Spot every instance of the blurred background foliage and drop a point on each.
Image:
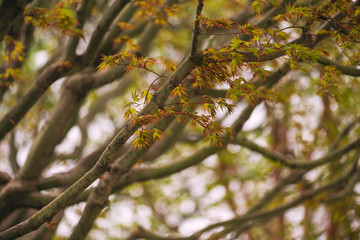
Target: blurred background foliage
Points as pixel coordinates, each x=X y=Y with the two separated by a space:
x=300 y=118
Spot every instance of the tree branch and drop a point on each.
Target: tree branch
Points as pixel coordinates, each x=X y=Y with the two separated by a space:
x=351 y=71
x=81 y=16
x=99 y=196
x=197 y=30
x=99 y=33
x=267 y=214
x=13 y=153
x=106 y=158
x=277 y=158
x=9 y=11
x=125 y=16
x=81 y=83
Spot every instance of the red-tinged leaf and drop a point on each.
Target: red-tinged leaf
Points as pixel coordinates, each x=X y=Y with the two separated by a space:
x=140 y=143
x=130 y=113
x=135 y=97
x=51 y=225
x=179 y=91
x=158 y=135
x=61 y=17
x=257 y=6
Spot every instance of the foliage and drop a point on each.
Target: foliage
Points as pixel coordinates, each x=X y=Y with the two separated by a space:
x=61 y=16
x=199 y=119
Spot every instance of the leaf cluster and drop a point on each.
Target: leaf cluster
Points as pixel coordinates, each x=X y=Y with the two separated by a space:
x=145 y=137
x=11 y=50
x=215 y=24
x=157 y=10
x=127 y=59
x=61 y=17
x=329 y=82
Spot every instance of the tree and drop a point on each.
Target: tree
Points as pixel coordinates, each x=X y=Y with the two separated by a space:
x=179 y=119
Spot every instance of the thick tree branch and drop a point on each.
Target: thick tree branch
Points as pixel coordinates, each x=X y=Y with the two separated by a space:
x=197 y=30
x=13 y=153
x=4 y=178
x=9 y=11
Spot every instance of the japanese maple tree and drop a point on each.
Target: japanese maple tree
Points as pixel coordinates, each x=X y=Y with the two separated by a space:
x=179 y=119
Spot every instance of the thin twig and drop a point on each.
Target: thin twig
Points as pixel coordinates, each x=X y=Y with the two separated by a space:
x=152 y=83
x=280 y=30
